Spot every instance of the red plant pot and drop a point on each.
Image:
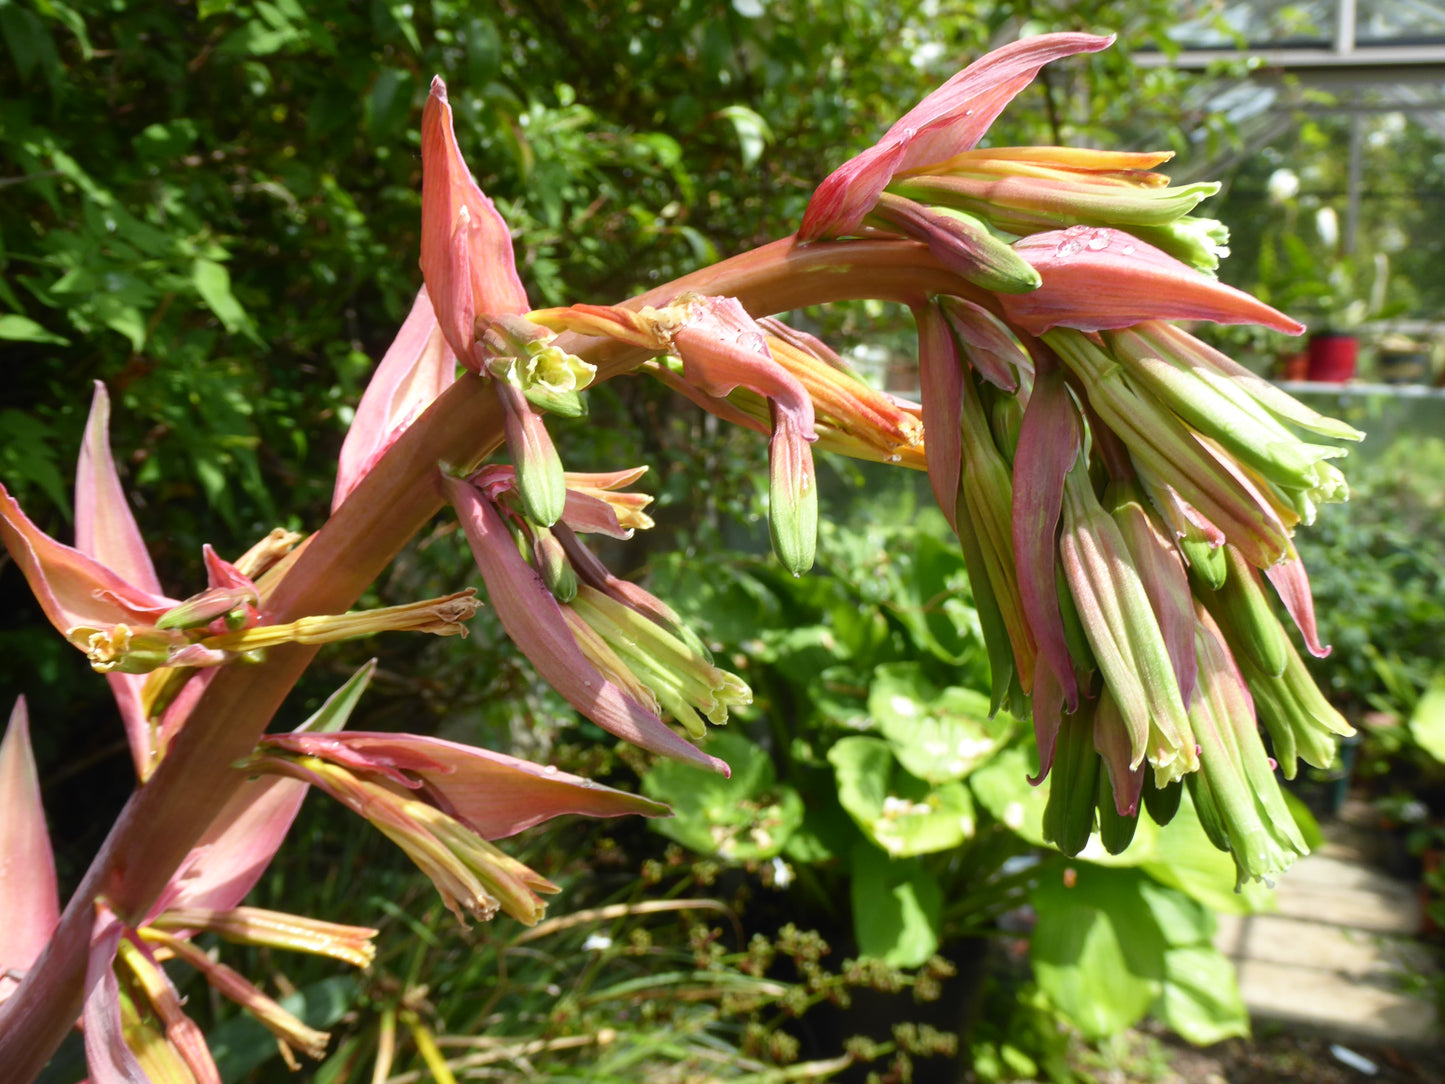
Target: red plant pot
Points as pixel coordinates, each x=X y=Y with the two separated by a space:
x=1333 y=357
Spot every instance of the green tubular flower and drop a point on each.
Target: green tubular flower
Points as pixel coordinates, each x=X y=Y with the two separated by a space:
x=1161 y=571
x=1218 y=407
x=1236 y=779
x=987 y=494
x=1301 y=722
x=1119 y=622
x=686 y=684
x=1243 y=612
x=1199 y=242
x=1022 y=197
x=1165 y=452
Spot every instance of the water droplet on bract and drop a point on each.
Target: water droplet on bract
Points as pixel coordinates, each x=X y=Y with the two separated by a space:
x=550 y=769
x=1128 y=250
x=1071 y=247
x=895 y=458
x=1098 y=241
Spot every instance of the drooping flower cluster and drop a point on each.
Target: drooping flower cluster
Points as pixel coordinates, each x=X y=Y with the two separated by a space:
x=1121 y=490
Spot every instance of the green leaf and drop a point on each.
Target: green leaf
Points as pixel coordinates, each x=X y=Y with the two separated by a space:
x=29 y=42
x=1002 y=787
x=744 y=818
x=1097 y=950
x=23 y=329
x=400 y=11
x=1427 y=722
x=898 y=811
x=897 y=906
x=333 y=714
x=1201 y=999
x=752 y=131
x=939 y=737
x=213 y=283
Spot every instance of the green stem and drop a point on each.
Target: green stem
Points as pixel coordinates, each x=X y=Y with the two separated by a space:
x=165 y=817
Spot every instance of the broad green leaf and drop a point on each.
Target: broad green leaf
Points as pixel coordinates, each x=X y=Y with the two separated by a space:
x=1427 y=722
x=897 y=906
x=115 y=314
x=213 y=283
x=23 y=329
x=746 y=817
x=752 y=131
x=900 y=812
x=939 y=737
x=930 y=597
x=1002 y=787
x=1201 y=999
x=1182 y=920
x=1097 y=950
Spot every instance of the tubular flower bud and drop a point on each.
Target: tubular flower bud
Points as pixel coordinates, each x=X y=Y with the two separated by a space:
x=535 y=621
x=987 y=494
x=961 y=242
x=1024 y=197
x=1122 y=631
x=989 y=345
x=1302 y=723
x=1226 y=412
x=1235 y=784
x=1161 y=571
x=595 y=503
x=1166 y=452
x=273 y=929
